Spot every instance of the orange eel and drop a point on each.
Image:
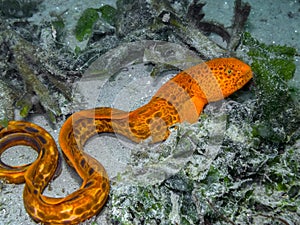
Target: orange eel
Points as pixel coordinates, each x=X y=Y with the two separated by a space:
x=180 y=99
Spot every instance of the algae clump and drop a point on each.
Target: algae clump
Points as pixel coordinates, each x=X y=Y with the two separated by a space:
x=89 y=17
x=108 y=13
x=84 y=27
x=273 y=66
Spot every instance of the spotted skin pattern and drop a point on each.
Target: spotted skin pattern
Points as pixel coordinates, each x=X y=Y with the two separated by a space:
x=180 y=99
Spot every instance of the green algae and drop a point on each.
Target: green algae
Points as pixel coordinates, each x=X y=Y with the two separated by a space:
x=273 y=66
x=84 y=26
x=109 y=14
x=25 y=105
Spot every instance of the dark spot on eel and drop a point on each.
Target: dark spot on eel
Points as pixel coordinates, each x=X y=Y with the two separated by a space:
x=82 y=163
x=103 y=185
x=91 y=171
x=31 y=130
x=88 y=184
x=79 y=211
x=42 y=139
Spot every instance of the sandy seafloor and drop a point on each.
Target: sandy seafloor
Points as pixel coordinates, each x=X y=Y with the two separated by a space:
x=275 y=22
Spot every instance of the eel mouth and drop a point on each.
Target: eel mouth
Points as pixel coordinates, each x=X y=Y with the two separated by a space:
x=248 y=75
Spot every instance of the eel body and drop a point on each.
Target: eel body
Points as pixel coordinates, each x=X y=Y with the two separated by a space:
x=180 y=99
